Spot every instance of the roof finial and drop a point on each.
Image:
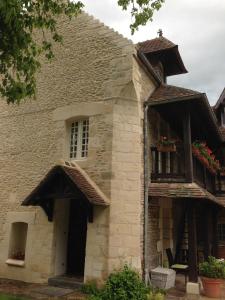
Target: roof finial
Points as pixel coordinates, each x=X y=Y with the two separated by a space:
x=160 y=32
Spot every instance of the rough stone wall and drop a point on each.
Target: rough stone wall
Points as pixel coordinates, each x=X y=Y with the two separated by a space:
x=160 y=231
x=94 y=75
x=91 y=68
x=153 y=256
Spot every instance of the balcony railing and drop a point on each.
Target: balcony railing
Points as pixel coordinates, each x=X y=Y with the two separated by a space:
x=169 y=167
x=203 y=177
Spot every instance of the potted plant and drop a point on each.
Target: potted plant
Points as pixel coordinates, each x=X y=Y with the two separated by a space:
x=212 y=272
x=166 y=145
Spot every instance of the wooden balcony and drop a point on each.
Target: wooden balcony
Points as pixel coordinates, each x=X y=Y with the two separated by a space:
x=167 y=166
x=170 y=167
x=203 y=177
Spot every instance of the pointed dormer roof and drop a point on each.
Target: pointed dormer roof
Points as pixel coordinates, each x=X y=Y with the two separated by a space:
x=165 y=51
x=158 y=44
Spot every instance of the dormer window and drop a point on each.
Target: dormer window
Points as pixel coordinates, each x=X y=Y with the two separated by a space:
x=79 y=135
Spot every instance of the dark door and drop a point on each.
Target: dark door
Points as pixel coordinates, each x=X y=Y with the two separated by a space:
x=77 y=237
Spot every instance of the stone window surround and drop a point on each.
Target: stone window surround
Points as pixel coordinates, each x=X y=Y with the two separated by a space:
x=76 y=140
x=17 y=217
x=67 y=114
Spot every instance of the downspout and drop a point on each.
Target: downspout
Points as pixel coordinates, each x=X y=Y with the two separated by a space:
x=146 y=184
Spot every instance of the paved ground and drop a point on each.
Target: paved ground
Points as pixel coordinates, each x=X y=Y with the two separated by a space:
x=39 y=291
x=178 y=293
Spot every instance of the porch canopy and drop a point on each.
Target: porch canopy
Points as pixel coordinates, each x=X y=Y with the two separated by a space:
x=183 y=190
x=196 y=199
x=66 y=181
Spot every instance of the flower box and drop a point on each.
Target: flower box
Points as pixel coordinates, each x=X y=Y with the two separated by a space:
x=204 y=154
x=166 y=148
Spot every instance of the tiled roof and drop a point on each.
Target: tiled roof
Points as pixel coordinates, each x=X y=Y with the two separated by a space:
x=85 y=184
x=157 y=44
x=80 y=179
x=164 y=51
x=169 y=92
x=181 y=190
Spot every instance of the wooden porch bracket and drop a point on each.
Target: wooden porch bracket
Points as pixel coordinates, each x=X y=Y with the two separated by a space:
x=192 y=243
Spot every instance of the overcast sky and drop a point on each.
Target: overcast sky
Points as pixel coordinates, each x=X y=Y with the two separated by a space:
x=197 y=26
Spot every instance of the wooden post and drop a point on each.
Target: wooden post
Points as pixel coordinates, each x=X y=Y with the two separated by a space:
x=187 y=145
x=206 y=220
x=192 y=243
x=214 y=231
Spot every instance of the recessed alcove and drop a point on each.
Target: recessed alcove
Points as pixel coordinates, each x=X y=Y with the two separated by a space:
x=17 y=244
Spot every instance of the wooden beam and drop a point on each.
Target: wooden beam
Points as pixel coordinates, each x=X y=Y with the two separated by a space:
x=188 y=161
x=90 y=214
x=48 y=207
x=192 y=243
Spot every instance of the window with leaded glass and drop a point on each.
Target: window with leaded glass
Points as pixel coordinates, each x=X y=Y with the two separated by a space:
x=79 y=134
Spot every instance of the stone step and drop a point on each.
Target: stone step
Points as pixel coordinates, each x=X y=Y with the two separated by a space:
x=64 y=281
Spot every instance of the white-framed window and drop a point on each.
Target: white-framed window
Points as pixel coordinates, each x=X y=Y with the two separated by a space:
x=79 y=135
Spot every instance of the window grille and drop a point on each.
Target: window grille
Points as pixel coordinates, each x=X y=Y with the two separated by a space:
x=79 y=136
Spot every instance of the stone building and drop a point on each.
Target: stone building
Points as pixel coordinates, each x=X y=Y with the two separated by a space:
x=84 y=185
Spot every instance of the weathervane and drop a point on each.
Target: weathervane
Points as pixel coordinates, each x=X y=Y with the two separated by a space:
x=160 y=32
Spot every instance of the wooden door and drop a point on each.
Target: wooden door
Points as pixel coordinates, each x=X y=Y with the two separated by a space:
x=77 y=237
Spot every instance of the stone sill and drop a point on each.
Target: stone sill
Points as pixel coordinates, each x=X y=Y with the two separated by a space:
x=15 y=262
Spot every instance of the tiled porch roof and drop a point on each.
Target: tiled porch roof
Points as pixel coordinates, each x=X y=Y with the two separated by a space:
x=85 y=184
x=169 y=92
x=182 y=190
x=78 y=177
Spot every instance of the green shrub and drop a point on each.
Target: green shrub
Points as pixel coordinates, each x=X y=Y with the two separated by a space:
x=212 y=268
x=125 y=284
x=90 y=288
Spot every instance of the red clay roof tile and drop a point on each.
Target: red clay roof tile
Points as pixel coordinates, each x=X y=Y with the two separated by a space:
x=80 y=179
x=181 y=190
x=157 y=44
x=167 y=92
